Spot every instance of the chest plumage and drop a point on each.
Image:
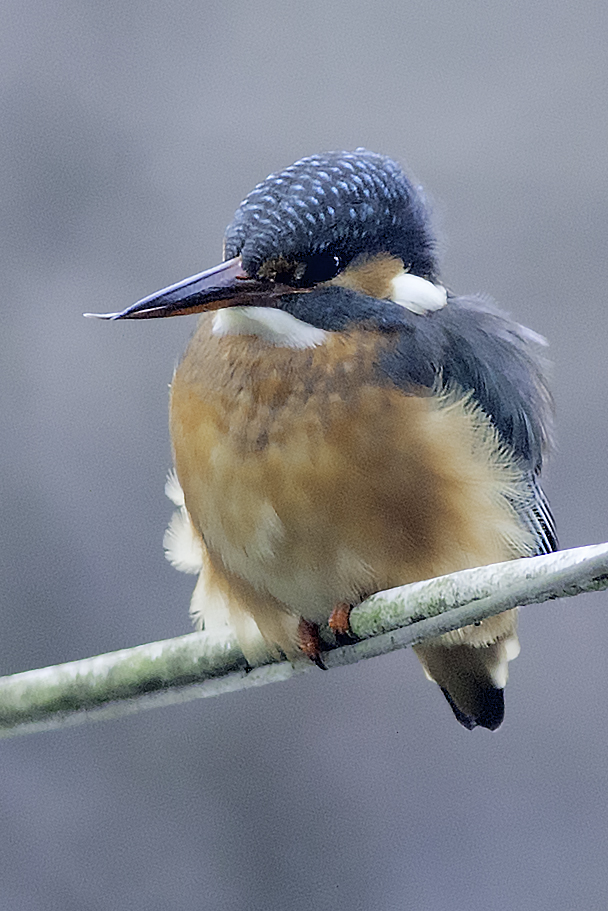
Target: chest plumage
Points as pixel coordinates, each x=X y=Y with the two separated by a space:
x=313 y=480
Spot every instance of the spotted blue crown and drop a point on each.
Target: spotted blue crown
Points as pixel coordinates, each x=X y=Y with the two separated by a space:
x=342 y=203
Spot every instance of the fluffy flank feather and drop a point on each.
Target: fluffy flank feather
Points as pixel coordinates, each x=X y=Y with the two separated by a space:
x=183 y=547
x=173 y=489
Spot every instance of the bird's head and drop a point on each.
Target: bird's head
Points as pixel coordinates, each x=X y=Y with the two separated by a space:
x=343 y=218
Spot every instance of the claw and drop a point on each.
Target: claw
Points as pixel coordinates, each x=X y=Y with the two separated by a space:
x=339 y=622
x=310 y=643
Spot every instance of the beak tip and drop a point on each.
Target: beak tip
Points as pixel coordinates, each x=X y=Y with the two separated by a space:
x=208 y=290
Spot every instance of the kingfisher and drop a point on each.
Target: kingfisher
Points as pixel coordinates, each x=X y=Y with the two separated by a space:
x=343 y=423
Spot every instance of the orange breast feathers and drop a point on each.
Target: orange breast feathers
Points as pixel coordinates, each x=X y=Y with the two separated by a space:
x=311 y=482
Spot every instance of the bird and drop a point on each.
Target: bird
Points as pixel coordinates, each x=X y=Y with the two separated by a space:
x=343 y=423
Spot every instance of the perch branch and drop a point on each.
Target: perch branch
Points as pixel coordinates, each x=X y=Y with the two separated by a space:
x=201 y=664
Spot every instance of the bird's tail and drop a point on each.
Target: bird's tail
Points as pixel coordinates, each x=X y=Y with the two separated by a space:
x=471 y=667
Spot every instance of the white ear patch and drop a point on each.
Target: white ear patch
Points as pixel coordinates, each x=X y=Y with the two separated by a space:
x=416 y=293
x=275 y=326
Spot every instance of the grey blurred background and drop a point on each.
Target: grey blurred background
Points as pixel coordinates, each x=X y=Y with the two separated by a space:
x=129 y=132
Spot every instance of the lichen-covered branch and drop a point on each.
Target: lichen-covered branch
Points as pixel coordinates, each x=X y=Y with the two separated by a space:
x=201 y=664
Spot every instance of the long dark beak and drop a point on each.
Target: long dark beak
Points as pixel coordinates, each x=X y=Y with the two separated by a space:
x=226 y=285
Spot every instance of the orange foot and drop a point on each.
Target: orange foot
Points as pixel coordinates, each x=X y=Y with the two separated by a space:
x=308 y=634
x=339 y=622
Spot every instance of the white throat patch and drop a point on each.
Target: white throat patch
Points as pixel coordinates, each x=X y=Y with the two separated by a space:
x=417 y=294
x=275 y=326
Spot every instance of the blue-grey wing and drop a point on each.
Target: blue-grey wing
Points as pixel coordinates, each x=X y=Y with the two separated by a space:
x=472 y=345
x=536 y=514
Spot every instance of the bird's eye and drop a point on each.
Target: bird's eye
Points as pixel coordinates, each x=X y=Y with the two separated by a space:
x=302 y=273
x=320 y=267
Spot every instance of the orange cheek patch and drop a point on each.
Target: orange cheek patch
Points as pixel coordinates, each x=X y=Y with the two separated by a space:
x=372 y=275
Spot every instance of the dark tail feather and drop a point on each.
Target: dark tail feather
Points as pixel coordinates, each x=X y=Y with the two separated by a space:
x=472 y=673
x=490 y=714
